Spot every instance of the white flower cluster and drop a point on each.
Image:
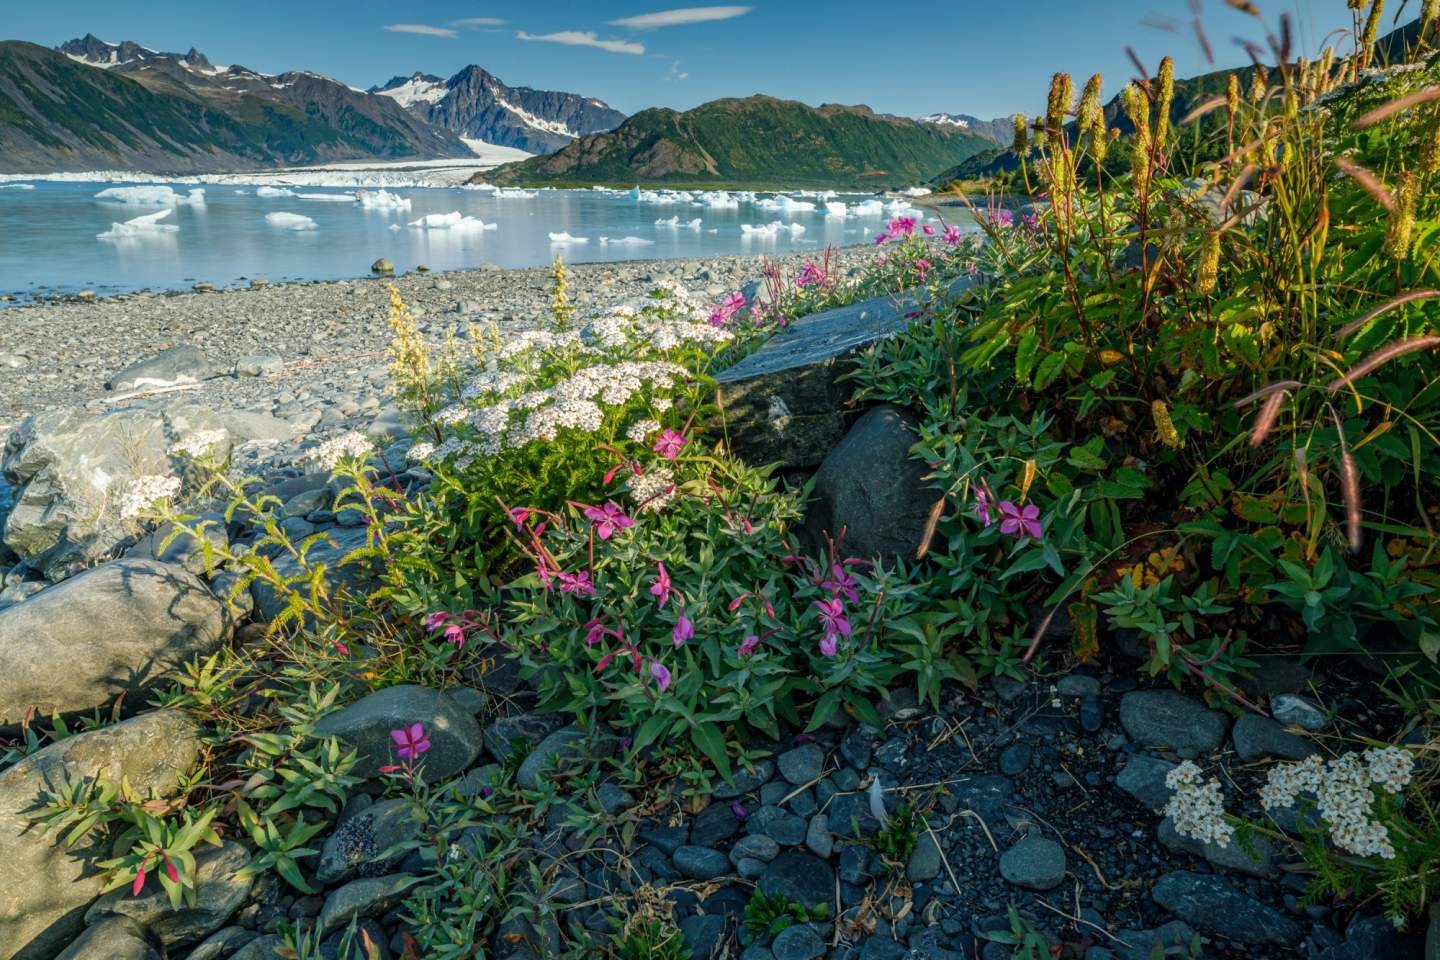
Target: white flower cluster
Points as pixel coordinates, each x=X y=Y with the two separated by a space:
x=1344 y=791
x=641 y=429
x=332 y=451
x=676 y=323
x=198 y=444
x=1195 y=807
x=654 y=489
x=420 y=452
x=144 y=492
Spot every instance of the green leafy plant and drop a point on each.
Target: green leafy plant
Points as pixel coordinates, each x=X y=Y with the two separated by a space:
x=766 y=915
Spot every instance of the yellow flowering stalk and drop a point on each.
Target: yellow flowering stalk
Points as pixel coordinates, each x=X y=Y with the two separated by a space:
x=1164 y=426
x=560 y=306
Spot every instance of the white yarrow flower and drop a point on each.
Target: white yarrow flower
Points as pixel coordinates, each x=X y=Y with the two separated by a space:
x=332 y=451
x=198 y=444
x=1196 y=807
x=641 y=429
x=144 y=492
x=420 y=452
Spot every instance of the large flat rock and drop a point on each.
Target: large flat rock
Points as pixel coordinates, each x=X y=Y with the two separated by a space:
x=117 y=629
x=49 y=885
x=785 y=403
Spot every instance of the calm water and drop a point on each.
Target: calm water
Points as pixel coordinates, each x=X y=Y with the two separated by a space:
x=48 y=234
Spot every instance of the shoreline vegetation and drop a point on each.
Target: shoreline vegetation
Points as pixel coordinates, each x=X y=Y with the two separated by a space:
x=862 y=609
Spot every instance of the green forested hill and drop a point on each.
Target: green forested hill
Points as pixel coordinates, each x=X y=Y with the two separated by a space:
x=755 y=141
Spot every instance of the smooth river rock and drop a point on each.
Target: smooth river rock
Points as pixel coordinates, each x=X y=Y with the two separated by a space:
x=42 y=906
x=117 y=629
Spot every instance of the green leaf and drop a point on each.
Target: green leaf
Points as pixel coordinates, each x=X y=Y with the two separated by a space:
x=712 y=743
x=1025 y=356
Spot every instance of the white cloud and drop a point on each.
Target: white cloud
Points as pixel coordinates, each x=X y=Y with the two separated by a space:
x=676 y=74
x=424 y=29
x=578 y=38
x=479 y=22
x=675 y=18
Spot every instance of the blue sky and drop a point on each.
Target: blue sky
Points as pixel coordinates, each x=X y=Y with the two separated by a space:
x=908 y=57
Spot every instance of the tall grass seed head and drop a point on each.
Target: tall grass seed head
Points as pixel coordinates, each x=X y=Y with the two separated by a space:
x=1402 y=219
x=1163 y=100
x=1057 y=107
x=1209 y=268
x=1164 y=426
x=1020 y=144
x=1232 y=96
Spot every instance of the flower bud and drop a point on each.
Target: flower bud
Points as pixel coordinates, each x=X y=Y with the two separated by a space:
x=1402 y=218
x=1209 y=267
x=1021 y=143
x=1163 y=100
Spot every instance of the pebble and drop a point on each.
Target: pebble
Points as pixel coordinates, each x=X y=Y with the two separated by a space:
x=801 y=765
x=1257 y=738
x=799 y=942
x=1014 y=759
x=701 y=863
x=1211 y=905
x=1289 y=708
x=1036 y=863
x=1169 y=718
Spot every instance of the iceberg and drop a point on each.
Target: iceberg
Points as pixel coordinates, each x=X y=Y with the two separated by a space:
x=481 y=187
x=772 y=229
x=146 y=225
x=785 y=204
x=627 y=241
x=17 y=186
x=869 y=208
x=562 y=238
x=290 y=221
x=718 y=200
x=672 y=222
x=917 y=191
x=274 y=192
x=835 y=208
x=454 y=220
x=152 y=196
x=897 y=207
x=503 y=194
x=382 y=200
x=327 y=197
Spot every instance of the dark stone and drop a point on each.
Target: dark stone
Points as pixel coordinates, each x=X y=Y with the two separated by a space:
x=745 y=781
x=1144 y=779
x=857 y=745
x=667 y=839
x=1014 y=759
x=702 y=935
x=1077 y=685
x=756 y=846
x=1370 y=938
x=1257 y=737
x=114 y=938
x=701 y=863
x=371 y=897
x=506 y=734
x=1289 y=708
x=801 y=765
x=168 y=368
x=1233 y=856
x=1036 y=863
x=1092 y=714
x=715 y=823
x=1168 y=718
x=565 y=744
x=881 y=947
x=924 y=862
x=870 y=487
x=799 y=942
x=799 y=876
x=785 y=402
x=454 y=736
x=780 y=825
x=1212 y=906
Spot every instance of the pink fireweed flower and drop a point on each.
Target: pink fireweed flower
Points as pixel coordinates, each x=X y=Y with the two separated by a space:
x=170 y=870
x=139 y=883
x=928 y=230
x=608 y=519
x=577 y=583
x=434 y=621
x=343 y=650
x=832 y=616
x=682 y=631
x=518 y=515
x=749 y=645
x=661 y=674
x=841 y=582
x=1031 y=221
x=410 y=741
x=901 y=227
x=811 y=276
x=1002 y=218
x=1021 y=522
x=828 y=644
x=880 y=239
x=661 y=588
x=456 y=635
x=726 y=309
x=922 y=267
x=594 y=632
x=952 y=236
x=670 y=444
x=983 y=507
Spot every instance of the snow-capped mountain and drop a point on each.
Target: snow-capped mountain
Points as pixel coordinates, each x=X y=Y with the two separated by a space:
x=476 y=104
x=999 y=131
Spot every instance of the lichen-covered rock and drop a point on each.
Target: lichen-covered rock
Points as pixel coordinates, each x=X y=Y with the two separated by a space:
x=785 y=401
x=117 y=629
x=42 y=906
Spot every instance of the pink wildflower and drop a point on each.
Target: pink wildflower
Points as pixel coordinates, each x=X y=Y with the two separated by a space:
x=832 y=616
x=843 y=583
x=683 y=630
x=518 y=516
x=670 y=444
x=410 y=741
x=922 y=267
x=139 y=883
x=749 y=645
x=827 y=644
x=983 y=507
x=577 y=583
x=434 y=621
x=811 y=276
x=608 y=519
x=1021 y=522
x=661 y=588
x=456 y=635
x=1002 y=218
x=929 y=230
x=661 y=674
x=880 y=239
x=594 y=632
x=952 y=236
x=902 y=227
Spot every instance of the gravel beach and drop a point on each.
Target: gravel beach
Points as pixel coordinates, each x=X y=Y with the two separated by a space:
x=329 y=336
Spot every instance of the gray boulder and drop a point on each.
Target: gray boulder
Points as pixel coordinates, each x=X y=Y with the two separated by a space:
x=454 y=736
x=364 y=898
x=219 y=893
x=115 y=938
x=45 y=909
x=332 y=550
x=872 y=488
x=1168 y=718
x=361 y=845
x=1211 y=905
x=168 y=368
x=183 y=548
x=117 y=629
x=1257 y=737
x=565 y=743
x=67 y=470
x=785 y=401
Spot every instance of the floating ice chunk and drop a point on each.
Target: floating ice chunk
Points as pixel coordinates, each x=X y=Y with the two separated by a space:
x=868 y=208
x=772 y=229
x=719 y=200
x=481 y=187
x=152 y=196
x=672 y=222
x=835 y=208
x=917 y=191
x=515 y=194
x=394 y=226
x=785 y=204
x=626 y=241
x=146 y=225
x=241 y=192
x=17 y=186
x=454 y=220
x=382 y=200
x=327 y=197
x=274 y=192
x=897 y=207
x=563 y=238
x=290 y=221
